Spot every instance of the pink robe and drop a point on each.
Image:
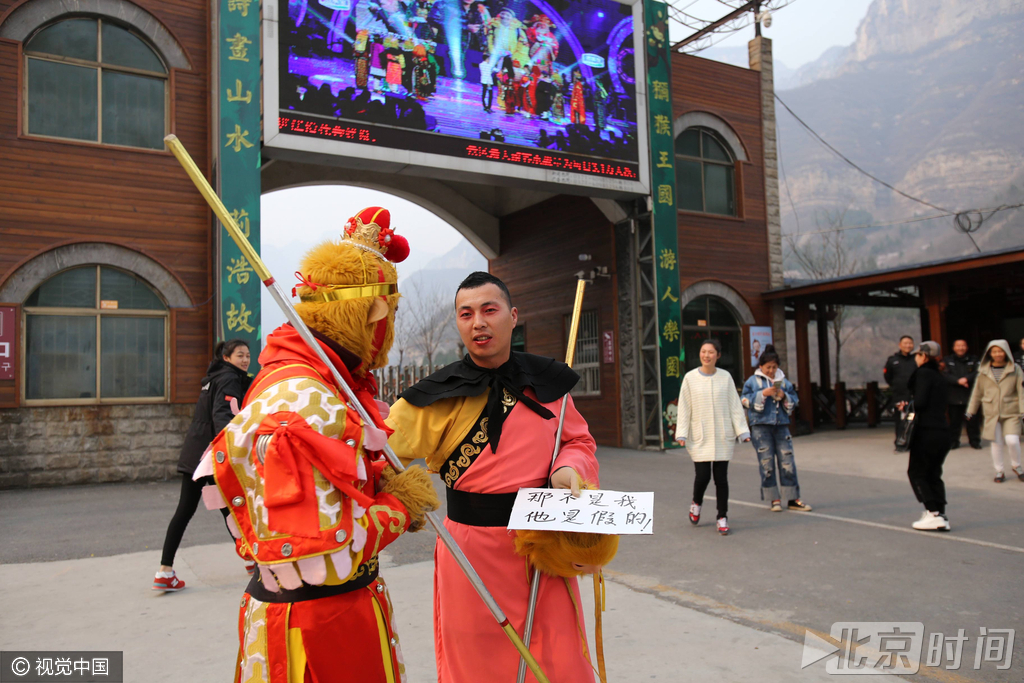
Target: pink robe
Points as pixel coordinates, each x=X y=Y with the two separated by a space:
x=469 y=645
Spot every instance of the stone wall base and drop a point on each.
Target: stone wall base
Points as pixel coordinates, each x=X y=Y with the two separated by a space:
x=56 y=446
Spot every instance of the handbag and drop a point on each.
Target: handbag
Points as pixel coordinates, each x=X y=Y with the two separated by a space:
x=905 y=429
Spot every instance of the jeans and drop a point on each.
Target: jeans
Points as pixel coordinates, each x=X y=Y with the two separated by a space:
x=774 y=447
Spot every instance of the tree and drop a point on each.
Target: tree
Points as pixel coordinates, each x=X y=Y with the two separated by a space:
x=427 y=318
x=824 y=255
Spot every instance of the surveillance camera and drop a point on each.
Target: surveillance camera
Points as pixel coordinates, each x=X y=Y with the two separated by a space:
x=766 y=19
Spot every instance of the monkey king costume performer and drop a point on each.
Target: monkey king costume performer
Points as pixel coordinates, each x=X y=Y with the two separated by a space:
x=488 y=433
x=311 y=500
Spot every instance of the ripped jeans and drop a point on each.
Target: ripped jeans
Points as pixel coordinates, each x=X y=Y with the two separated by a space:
x=774 y=447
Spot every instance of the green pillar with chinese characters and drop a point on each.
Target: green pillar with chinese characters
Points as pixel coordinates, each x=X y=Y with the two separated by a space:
x=238 y=49
x=663 y=215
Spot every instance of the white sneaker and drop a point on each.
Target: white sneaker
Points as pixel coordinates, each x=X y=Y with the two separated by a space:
x=932 y=521
x=694 y=513
x=723 y=526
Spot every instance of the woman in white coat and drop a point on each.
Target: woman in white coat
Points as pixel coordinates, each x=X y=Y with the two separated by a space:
x=710 y=421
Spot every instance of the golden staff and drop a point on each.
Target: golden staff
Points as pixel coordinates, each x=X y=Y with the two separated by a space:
x=570 y=354
x=284 y=302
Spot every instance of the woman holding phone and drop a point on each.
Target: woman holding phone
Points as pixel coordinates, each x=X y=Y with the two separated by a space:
x=770 y=399
x=710 y=421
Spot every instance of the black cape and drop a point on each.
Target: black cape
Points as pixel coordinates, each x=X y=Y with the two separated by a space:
x=549 y=379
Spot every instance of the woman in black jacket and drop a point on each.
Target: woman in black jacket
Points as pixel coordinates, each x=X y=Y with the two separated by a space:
x=929 y=443
x=223 y=389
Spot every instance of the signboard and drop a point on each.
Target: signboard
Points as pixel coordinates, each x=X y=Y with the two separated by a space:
x=608 y=346
x=599 y=512
x=663 y=215
x=239 y=162
x=8 y=341
x=760 y=337
x=527 y=90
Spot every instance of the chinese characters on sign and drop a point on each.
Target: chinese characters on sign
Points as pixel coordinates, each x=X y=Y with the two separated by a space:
x=604 y=512
x=239 y=173
x=608 y=346
x=8 y=341
x=663 y=215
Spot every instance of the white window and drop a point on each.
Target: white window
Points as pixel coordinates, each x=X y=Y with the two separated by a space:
x=91 y=79
x=95 y=334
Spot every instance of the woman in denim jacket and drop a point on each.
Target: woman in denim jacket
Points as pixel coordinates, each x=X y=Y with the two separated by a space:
x=769 y=408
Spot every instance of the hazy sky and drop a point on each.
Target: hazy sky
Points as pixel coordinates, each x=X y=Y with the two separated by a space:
x=800 y=32
x=295 y=220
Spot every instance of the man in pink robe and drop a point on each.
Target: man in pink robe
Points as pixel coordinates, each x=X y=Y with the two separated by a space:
x=487 y=425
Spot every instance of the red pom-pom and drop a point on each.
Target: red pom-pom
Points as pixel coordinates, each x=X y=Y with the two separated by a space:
x=398 y=249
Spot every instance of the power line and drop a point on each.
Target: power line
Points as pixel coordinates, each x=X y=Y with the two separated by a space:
x=964 y=221
x=917 y=219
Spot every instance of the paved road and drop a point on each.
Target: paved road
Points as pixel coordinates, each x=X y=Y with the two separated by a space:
x=853 y=559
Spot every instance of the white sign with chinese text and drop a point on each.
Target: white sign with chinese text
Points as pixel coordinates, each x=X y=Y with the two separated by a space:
x=602 y=512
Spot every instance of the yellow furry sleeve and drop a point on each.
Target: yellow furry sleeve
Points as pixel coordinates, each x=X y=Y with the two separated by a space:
x=433 y=432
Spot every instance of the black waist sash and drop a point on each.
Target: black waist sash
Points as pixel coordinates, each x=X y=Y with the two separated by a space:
x=480 y=509
x=475 y=509
x=365 y=575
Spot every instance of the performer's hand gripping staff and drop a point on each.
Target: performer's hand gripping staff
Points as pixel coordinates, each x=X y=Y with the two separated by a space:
x=608 y=548
x=284 y=302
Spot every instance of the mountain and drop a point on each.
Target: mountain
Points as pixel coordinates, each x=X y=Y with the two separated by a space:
x=927 y=98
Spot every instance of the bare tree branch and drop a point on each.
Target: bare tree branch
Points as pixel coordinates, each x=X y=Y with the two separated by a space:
x=427 y=321
x=824 y=256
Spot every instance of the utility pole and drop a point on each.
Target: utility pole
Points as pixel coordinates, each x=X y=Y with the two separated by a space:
x=760 y=55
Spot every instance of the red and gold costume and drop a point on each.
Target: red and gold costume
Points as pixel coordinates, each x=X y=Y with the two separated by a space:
x=310 y=498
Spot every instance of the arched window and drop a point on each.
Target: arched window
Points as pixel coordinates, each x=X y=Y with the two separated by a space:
x=709 y=317
x=705 y=173
x=95 y=334
x=94 y=80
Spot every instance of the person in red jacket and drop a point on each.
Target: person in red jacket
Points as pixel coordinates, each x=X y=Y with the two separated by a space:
x=311 y=500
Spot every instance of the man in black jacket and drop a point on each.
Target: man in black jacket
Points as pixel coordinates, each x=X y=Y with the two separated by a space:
x=898 y=370
x=960 y=370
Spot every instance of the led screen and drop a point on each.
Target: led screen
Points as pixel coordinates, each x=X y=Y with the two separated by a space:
x=548 y=84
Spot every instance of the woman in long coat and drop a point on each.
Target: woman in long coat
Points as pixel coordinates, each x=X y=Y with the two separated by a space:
x=710 y=421
x=999 y=395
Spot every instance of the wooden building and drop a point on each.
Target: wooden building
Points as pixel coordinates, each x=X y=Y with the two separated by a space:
x=724 y=252
x=105 y=261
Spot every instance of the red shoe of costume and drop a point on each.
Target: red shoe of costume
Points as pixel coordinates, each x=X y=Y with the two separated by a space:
x=310 y=500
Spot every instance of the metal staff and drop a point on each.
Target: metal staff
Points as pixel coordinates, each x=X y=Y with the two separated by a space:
x=284 y=302
x=570 y=354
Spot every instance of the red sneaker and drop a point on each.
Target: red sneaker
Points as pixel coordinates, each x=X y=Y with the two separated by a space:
x=168 y=584
x=723 y=526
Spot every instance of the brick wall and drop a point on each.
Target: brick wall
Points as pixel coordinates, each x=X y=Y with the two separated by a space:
x=90 y=444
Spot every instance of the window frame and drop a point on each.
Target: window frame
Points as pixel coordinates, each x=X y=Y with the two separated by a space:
x=732 y=164
x=167 y=76
x=97 y=313
x=711 y=329
x=590 y=392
